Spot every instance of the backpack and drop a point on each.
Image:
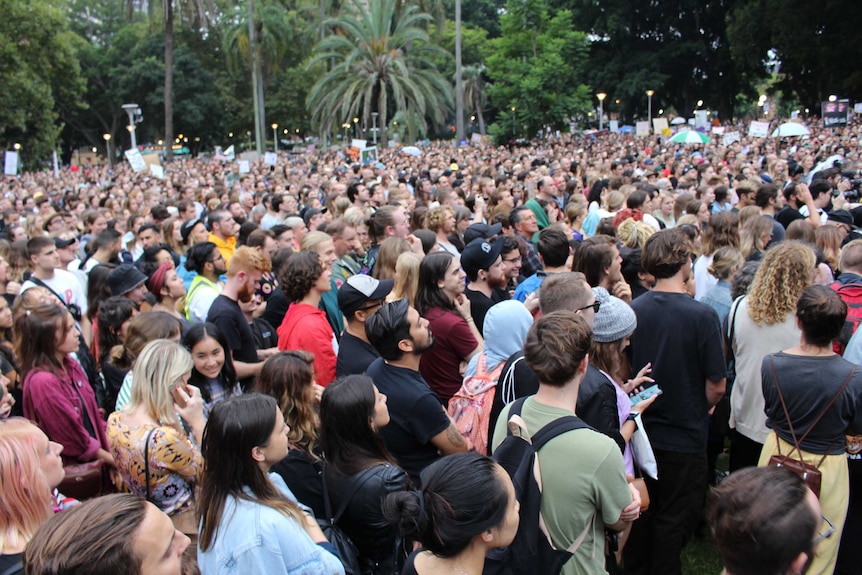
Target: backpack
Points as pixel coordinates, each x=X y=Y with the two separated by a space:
x=470 y=407
x=531 y=552
x=852 y=296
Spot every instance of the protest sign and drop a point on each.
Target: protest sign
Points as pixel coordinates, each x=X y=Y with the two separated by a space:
x=730 y=137
x=659 y=125
x=270 y=158
x=758 y=129
x=157 y=171
x=10 y=166
x=244 y=167
x=835 y=113
x=136 y=160
x=614 y=126
x=368 y=155
x=642 y=128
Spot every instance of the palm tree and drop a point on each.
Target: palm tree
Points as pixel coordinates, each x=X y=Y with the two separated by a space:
x=198 y=12
x=373 y=67
x=475 y=95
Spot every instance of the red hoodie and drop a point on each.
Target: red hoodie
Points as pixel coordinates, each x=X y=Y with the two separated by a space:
x=305 y=327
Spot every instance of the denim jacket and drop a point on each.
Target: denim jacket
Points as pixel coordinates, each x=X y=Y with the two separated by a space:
x=254 y=538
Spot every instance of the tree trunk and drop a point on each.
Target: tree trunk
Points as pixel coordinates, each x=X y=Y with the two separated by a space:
x=252 y=51
x=480 y=116
x=169 y=80
x=459 y=77
x=384 y=118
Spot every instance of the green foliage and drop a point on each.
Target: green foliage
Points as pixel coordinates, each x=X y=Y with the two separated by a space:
x=484 y=14
x=380 y=58
x=537 y=66
x=473 y=43
x=40 y=74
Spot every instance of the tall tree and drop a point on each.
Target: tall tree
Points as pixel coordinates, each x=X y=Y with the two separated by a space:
x=373 y=68
x=198 y=13
x=475 y=92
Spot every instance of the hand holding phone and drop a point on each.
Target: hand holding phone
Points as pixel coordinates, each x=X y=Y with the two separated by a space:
x=645 y=394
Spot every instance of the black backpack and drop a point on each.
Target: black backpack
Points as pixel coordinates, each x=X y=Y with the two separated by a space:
x=531 y=552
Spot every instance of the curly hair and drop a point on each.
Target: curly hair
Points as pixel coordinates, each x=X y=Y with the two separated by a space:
x=785 y=272
x=289 y=377
x=300 y=275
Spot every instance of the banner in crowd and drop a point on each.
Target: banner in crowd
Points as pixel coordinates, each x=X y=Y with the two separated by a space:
x=270 y=158
x=244 y=167
x=758 y=129
x=701 y=120
x=835 y=113
x=614 y=126
x=642 y=129
x=157 y=171
x=10 y=165
x=659 y=126
x=136 y=160
x=368 y=155
x=730 y=137
x=718 y=130
x=858 y=108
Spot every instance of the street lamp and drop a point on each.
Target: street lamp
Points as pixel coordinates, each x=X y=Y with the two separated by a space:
x=355 y=127
x=513 y=120
x=649 y=95
x=17 y=147
x=374 y=126
x=133 y=111
x=601 y=96
x=699 y=103
x=107 y=138
x=275 y=137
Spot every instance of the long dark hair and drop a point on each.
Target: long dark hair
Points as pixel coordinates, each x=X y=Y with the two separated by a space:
x=433 y=269
x=461 y=498
x=97 y=289
x=36 y=338
x=348 y=442
x=288 y=376
x=235 y=427
x=113 y=313
x=227 y=377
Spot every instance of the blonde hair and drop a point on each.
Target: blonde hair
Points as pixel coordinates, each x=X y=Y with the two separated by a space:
x=159 y=368
x=312 y=240
x=751 y=235
x=828 y=238
x=725 y=261
x=387 y=257
x=747 y=213
x=785 y=272
x=25 y=499
x=614 y=201
x=406 y=278
x=634 y=234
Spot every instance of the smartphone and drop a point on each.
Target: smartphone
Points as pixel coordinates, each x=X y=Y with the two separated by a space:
x=646 y=394
x=178 y=398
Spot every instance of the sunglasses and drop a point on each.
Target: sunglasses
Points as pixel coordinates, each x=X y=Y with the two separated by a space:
x=595 y=307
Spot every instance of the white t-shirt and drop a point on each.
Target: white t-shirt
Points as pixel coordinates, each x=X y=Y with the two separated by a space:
x=65 y=285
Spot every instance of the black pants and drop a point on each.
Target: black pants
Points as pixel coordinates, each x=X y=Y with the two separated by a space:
x=850 y=551
x=676 y=504
x=744 y=452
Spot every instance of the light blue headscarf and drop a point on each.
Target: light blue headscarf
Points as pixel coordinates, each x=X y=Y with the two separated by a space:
x=506 y=327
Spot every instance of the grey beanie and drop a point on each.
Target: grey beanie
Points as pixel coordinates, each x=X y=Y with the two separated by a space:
x=615 y=319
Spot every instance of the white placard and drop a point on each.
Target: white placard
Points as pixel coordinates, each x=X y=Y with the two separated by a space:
x=858 y=108
x=730 y=137
x=229 y=153
x=701 y=120
x=758 y=129
x=157 y=171
x=642 y=129
x=718 y=130
x=614 y=126
x=359 y=144
x=659 y=125
x=270 y=158
x=136 y=160
x=10 y=166
x=476 y=138
x=244 y=167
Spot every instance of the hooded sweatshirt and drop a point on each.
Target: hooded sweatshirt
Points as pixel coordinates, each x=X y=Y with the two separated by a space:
x=541 y=217
x=505 y=329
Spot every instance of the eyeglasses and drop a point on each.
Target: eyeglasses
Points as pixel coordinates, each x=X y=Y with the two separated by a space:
x=594 y=305
x=830 y=529
x=372 y=305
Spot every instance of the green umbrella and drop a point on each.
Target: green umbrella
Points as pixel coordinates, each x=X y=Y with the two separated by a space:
x=690 y=137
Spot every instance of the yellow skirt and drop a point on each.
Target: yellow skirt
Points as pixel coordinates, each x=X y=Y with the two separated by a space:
x=834 y=497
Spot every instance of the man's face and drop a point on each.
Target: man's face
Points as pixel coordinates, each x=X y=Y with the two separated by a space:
x=48 y=259
x=362 y=194
x=236 y=211
x=528 y=225
x=614 y=271
x=315 y=221
x=249 y=286
x=227 y=227
x=189 y=213
x=511 y=264
x=217 y=260
x=148 y=238
x=326 y=251
x=346 y=242
x=448 y=225
x=495 y=275
x=285 y=240
x=588 y=313
x=399 y=227
x=138 y=295
x=420 y=332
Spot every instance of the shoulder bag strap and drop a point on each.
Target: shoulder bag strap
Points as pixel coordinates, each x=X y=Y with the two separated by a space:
x=147 y=461
x=40 y=283
x=796 y=441
x=732 y=321
x=85 y=414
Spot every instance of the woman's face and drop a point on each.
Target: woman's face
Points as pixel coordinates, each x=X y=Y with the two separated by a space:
x=5 y=314
x=158 y=544
x=381 y=411
x=703 y=214
x=505 y=532
x=199 y=234
x=322 y=284
x=176 y=231
x=67 y=336
x=49 y=458
x=667 y=206
x=173 y=283
x=208 y=357
x=276 y=446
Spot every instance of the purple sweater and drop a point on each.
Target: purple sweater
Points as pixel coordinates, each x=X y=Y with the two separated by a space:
x=52 y=403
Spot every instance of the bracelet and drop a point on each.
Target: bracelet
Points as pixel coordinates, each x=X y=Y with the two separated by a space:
x=469 y=319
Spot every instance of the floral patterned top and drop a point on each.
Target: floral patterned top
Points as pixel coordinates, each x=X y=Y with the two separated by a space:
x=176 y=464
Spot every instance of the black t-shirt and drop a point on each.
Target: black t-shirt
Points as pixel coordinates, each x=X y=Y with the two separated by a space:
x=787 y=215
x=682 y=339
x=264 y=334
x=276 y=308
x=7 y=562
x=304 y=476
x=354 y=355
x=480 y=304
x=516 y=380
x=416 y=416
x=226 y=315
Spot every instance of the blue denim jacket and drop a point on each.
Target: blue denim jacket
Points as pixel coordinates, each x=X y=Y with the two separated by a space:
x=254 y=538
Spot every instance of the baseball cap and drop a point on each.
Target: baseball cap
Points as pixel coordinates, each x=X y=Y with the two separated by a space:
x=483 y=231
x=357 y=290
x=480 y=255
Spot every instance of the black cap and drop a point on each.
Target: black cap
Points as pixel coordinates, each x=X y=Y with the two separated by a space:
x=481 y=231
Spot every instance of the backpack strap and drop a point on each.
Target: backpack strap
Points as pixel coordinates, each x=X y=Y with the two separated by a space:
x=555 y=428
x=506 y=383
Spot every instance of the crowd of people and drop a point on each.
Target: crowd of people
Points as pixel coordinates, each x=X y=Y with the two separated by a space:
x=209 y=372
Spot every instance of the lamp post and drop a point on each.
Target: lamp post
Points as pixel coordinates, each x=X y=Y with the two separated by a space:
x=649 y=94
x=513 y=120
x=374 y=126
x=601 y=96
x=355 y=127
x=107 y=138
x=275 y=138
x=132 y=110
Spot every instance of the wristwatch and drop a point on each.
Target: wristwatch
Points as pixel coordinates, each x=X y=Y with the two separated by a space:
x=633 y=416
